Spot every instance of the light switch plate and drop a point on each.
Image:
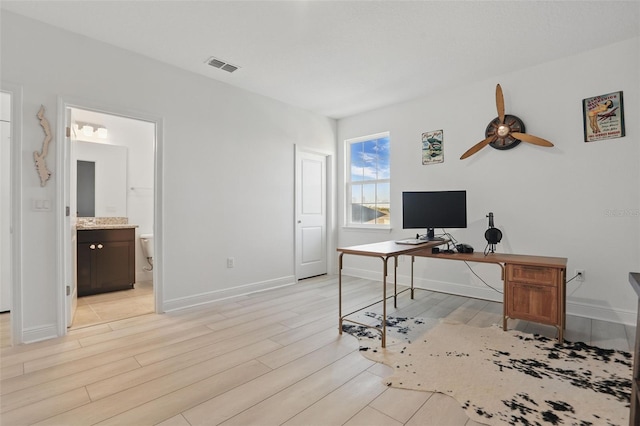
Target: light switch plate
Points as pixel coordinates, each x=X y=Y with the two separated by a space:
x=41 y=205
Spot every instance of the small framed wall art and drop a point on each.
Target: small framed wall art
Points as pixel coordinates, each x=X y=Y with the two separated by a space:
x=432 y=147
x=603 y=117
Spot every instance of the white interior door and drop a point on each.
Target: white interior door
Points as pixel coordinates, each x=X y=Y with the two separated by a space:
x=70 y=243
x=311 y=214
x=5 y=204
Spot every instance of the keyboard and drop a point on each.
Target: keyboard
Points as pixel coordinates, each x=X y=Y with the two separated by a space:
x=412 y=241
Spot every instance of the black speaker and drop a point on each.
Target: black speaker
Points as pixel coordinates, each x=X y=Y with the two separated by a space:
x=493 y=235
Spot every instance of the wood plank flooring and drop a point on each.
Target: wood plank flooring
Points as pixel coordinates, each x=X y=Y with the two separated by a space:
x=108 y=307
x=271 y=358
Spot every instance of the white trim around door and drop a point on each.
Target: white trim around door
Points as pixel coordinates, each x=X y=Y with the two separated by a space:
x=62 y=193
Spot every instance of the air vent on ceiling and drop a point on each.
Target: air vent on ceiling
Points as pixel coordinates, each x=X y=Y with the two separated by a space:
x=217 y=63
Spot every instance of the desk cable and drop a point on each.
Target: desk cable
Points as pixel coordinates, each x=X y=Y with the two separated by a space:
x=571 y=279
x=454 y=241
x=480 y=278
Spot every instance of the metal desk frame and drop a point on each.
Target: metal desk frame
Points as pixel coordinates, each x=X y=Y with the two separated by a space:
x=384 y=251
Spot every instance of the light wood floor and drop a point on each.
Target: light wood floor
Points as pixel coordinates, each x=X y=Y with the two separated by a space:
x=115 y=305
x=270 y=358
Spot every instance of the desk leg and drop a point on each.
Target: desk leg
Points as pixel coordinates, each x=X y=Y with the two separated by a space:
x=563 y=305
x=505 y=297
x=413 y=258
x=340 y=293
x=384 y=301
x=395 y=282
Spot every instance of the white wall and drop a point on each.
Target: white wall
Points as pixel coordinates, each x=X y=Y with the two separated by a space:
x=228 y=166
x=547 y=201
x=5 y=202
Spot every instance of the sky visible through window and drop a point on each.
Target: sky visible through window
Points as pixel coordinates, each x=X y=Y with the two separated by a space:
x=370 y=176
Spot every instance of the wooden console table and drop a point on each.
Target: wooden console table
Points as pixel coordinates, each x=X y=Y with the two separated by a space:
x=534 y=286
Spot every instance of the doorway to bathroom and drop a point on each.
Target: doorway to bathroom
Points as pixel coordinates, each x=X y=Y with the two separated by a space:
x=111 y=181
x=6 y=201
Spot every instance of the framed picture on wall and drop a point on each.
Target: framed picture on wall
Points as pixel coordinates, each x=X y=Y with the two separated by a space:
x=603 y=117
x=432 y=147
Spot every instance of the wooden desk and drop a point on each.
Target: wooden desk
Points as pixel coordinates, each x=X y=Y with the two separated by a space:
x=383 y=251
x=534 y=286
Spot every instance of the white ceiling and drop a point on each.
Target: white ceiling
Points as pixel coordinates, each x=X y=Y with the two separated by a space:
x=339 y=58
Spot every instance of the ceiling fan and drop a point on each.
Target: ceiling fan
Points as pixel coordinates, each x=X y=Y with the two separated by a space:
x=505 y=131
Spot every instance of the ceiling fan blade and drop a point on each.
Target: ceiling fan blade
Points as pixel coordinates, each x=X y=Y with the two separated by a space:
x=531 y=139
x=477 y=147
x=500 y=103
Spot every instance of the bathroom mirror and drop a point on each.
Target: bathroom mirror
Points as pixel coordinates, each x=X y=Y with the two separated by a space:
x=106 y=166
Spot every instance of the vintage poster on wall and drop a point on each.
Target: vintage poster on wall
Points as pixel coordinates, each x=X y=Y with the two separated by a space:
x=603 y=117
x=432 y=149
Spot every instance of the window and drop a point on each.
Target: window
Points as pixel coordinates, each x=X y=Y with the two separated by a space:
x=368 y=181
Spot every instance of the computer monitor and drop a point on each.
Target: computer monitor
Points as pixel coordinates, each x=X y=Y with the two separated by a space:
x=434 y=209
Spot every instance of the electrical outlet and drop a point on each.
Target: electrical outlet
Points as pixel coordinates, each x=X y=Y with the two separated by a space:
x=230 y=262
x=579 y=274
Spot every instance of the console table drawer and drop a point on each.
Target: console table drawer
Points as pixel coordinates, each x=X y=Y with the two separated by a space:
x=532 y=274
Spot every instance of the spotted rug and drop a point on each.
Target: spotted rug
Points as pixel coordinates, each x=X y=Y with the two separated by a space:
x=503 y=377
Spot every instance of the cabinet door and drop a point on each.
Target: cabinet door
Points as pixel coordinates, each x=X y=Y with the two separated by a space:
x=113 y=263
x=533 y=302
x=85 y=268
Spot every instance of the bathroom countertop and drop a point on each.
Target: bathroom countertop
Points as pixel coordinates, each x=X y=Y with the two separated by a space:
x=106 y=226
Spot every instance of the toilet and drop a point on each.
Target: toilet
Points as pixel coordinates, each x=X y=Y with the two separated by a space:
x=146 y=241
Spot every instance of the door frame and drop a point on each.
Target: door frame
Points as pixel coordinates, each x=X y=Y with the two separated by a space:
x=16 y=210
x=63 y=194
x=330 y=203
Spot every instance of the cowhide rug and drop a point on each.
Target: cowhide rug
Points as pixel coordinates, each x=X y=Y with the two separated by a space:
x=504 y=377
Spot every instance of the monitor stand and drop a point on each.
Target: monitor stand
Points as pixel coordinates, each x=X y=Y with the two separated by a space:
x=430 y=236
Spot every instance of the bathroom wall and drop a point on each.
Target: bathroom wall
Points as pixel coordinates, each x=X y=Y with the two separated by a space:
x=110 y=178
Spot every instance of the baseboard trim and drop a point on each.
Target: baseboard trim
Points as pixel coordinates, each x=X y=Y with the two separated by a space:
x=37 y=334
x=604 y=314
x=227 y=293
x=578 y=309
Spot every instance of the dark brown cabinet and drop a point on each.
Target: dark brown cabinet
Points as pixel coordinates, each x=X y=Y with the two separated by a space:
x=106 y=260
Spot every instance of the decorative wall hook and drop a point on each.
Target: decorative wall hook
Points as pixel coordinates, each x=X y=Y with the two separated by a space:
x=40 y=157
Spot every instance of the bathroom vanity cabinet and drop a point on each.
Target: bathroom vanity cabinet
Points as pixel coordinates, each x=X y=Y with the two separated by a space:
x=106 y=260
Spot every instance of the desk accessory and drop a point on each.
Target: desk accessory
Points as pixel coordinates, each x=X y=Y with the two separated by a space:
x=493 y=235
x=504 y=131
x=464 y=248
